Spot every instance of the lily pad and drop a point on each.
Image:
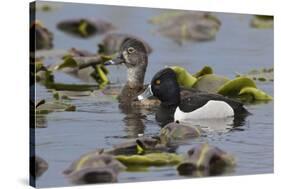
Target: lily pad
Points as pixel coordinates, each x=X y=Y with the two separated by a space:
x=38 y=166
x=94 y=168
x=262 y=75
x=184 y=78
x=55 y=106
x=112 y=43
x=233 y=87
x=175 y=132
x=152 y=159
x=204 y=71
x=44 y=38
x=180 y=26
x=84 y=27
x=71 y=87
x=59 y=95
x=262 y=21
x=206 y=159
x=210 y=83
x=86 y=67
x=252 y=94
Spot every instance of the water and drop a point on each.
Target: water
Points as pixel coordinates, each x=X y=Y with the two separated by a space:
x=99 y=123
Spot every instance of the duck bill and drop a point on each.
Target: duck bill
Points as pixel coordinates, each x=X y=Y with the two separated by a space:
x=116 y=61
x=146 y=94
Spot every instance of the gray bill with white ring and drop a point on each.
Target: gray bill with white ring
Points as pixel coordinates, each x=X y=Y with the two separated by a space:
x=146 y=94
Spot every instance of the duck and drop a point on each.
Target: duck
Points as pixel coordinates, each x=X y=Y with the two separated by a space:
x=134 y=55
x=193 y=106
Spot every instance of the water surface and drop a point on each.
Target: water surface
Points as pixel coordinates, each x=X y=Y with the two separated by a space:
x=99 y=123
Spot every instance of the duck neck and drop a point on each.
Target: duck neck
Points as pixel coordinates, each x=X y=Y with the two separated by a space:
x=134 y=84
x=135 y=76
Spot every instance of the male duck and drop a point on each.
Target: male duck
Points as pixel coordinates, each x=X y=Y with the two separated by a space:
x=176 y=107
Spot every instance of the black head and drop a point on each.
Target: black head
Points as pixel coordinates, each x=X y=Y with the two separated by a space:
x=132 y=53
x=164 y=86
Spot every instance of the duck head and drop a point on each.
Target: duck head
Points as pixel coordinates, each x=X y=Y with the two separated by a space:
x=133 y=54
x=163 y=86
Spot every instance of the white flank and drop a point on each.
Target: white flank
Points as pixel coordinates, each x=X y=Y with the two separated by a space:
x=211 y=110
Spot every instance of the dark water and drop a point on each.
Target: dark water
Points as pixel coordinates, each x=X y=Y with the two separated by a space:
x=99 y=123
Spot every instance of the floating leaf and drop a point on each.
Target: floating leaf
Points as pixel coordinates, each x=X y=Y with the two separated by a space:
x=263 y=75
x=70 y=94
x=68 y=62
x=112 y=43
x=152 y=159
x=210 y=83
x=94 y=168
x=180 y=26
x=44 y=38
x=209 y=160
x=204 y=71
x=71 y=87
x=262 y=21
x=55 y=106
x=174 y=132
x=254 y=94
x=85 y=28
x=233 y=87
x=184 y=78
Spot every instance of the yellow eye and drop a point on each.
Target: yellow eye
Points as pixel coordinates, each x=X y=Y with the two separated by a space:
x=131 y=50
x=157 y=82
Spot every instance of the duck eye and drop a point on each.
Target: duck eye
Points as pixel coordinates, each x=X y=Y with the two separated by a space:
x=157 y=82
x=131 y=50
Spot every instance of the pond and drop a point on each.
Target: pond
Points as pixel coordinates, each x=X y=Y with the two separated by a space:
x=99 y=123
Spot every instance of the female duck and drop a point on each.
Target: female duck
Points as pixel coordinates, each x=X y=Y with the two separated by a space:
x=195 y=106
x=133 y=54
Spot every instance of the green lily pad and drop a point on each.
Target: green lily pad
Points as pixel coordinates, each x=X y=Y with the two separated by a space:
x=174 y=132
x=251 y=94
x=56 y=106
x=187 y=25
x=85 y=68
x=152 y=159
x=262 y=75
x=44 y=38
x=184 y=78
x=210 y=83
x=112 y=43
x=71 y=87
x=84 y=27
x=58 y=95
x=204 y=71
x=262 y=21
x=233 y=87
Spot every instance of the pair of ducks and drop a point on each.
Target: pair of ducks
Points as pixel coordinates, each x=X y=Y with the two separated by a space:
x=177 y=104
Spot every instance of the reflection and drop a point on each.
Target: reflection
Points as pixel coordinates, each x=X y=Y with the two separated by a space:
x=41 y=121
x=166 y=115
x=133 y=120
